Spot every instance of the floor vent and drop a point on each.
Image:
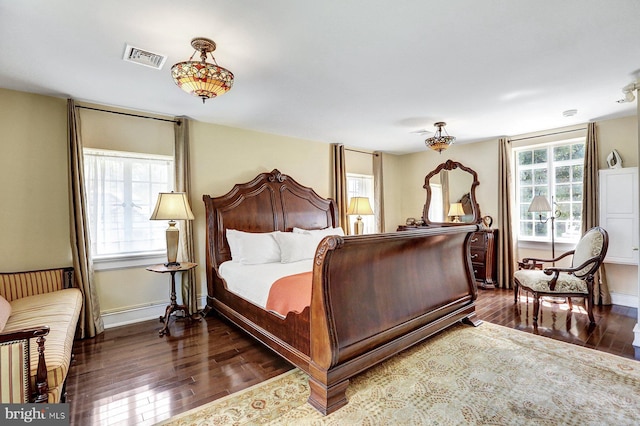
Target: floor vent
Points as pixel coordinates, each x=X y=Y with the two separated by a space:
x=144 y=57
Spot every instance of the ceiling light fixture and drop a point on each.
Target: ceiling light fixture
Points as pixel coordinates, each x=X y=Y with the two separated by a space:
x=439 y=142
x=628 y=93
x=201 y=78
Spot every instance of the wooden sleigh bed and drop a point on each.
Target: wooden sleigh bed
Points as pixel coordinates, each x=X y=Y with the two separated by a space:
x=372 y=296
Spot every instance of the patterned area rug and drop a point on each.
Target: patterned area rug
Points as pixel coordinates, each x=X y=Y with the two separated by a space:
x=465 y=375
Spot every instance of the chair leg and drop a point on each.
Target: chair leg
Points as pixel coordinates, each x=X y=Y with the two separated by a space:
x=588 y=301
x=515 y=291
x=536 y=307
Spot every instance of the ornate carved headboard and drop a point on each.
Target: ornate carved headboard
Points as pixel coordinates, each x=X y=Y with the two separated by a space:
x=270 y=202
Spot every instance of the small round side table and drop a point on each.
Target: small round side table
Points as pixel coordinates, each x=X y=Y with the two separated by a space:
x=173 y=306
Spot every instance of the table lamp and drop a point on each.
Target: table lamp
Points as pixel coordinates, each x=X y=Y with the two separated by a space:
x=456 y=211
x=359 y=206
x=172 y=206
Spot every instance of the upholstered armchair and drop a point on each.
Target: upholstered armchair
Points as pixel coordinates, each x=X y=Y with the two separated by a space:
x=573 y=281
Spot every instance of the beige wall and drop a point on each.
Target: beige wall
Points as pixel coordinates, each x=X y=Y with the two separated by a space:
x=223 y=156
x=481 y=157
x=33 y=175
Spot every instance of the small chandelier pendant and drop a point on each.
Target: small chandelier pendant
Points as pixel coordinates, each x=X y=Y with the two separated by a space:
x=439 y=142
x=201 y=78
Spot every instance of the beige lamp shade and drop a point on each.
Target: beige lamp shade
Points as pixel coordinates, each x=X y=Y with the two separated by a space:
x=172 y=206
x=456 y=210
x=539 y=204
x=359 y=206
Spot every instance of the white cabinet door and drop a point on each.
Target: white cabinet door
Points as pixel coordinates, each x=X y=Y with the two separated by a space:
x=619 y=213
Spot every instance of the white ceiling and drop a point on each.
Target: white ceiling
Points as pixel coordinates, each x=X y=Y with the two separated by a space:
x=365 y=73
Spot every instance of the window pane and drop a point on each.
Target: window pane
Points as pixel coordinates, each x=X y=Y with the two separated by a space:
x=540 y=156
x=541 y=229
x=540 y=176
x=563 y=174
x=576 y=172
x=564 y=209
x=526 y=177
x=563 y=193
x=542 y=190
x=526 y=228
x=524 y=157
x=526 y=194
x=561 y=153
x=576 y=192
x=576 y=212
x=577 y=151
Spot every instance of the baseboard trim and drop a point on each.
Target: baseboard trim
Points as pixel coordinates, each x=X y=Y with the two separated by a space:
x=624 y=300
x=135 y=315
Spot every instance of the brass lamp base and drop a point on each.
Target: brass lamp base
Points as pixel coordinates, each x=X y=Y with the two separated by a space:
x=358 y=226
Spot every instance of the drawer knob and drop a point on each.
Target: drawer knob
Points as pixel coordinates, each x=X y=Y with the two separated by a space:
x=473 y=256
x=474 y=240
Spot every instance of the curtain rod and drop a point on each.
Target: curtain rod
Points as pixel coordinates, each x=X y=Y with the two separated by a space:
x=361 y=152
x=129 y=114
x=548 y=134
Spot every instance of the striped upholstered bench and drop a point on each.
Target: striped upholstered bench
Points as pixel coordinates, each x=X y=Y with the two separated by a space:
x=39 y=311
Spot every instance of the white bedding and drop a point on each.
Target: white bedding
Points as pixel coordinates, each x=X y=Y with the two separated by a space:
x=253 y=282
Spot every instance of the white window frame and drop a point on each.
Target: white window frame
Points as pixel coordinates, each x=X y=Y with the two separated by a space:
x=360 y=185
x=133 y=258
x=567 y=238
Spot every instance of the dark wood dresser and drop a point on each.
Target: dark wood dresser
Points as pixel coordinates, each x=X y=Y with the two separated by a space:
x=484 y=254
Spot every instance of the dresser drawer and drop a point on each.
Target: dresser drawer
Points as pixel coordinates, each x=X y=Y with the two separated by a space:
x=477 y=254
x=479 y=271
x=478 y=239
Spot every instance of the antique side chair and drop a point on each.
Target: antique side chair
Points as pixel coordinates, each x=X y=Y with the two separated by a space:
x=573 y=281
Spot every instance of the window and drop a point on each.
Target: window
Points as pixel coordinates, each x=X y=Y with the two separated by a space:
x=554 y=171
x=361 y=186
x=122 y=189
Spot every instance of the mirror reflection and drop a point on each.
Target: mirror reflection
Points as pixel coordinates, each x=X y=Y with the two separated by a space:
x=451 y=195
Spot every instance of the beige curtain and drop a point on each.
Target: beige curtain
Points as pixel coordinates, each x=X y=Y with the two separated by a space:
x=590 y=212
x=378 y=191
x=90 y=323
x=183 y=184
x=506 y=254
x=340 y=185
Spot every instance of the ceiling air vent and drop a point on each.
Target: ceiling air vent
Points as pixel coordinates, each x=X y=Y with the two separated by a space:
x=144 y=57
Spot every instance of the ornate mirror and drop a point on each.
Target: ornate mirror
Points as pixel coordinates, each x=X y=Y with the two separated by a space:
x=451 y=195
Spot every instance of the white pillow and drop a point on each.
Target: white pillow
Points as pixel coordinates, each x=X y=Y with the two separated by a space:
x=296 y=246
x=251 y=248
x=320 y=232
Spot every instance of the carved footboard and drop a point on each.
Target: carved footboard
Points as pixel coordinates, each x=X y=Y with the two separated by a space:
x=374 y=296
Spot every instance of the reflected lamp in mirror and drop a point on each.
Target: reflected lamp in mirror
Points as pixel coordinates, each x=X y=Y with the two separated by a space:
x=359 y=206
x=172 y=206
x=456 y=211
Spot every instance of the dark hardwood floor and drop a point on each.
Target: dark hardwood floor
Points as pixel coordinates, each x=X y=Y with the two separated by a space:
x=130 y=376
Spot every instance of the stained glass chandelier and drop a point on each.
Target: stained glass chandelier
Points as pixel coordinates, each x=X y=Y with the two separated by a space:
x=439 y=142
x=201 y=78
